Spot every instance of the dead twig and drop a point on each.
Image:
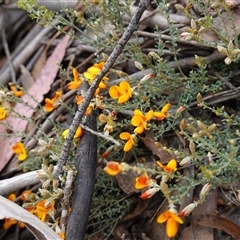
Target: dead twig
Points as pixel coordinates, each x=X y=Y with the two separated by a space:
x=133 y=26
x=108 y=138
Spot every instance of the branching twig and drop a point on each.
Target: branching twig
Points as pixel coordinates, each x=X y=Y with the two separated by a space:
x=109 y=138
x=133 y=26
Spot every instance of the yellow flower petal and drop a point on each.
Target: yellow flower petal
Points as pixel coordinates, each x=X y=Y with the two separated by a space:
x=3 y=113
x=49 y=105
x=171 y=228
x=142 y=181
x=94 y=70
x=113 y=168
x=75 y=75
x=163 y=217
x=65 y=133
x=12 y=197
x=73 y=85
x=149 y=116
x=99 y=65
x=89 y=76
x=176 y=218
x=19 y=149
x=114 y=92
x=42 y=211
x=102 y=85
x=8 y=223
x=136 y=120
x=128 y=145
x=124 y=98
x=125 y=135
x=165 y=108
x=79 y=99
x=159 y=115
x=78 y=133
x=125 y=86
x=57 y=96
x=139 y=129
x=172 y=164
x=138 y=113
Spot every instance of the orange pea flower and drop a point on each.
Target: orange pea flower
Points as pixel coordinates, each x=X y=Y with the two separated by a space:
x=42 y=210
x=140 y=121
x=14 y=89
x=91 y=74
x=3 y=113
x=75 y=84
x=172 y=220
x=123 y=92
x=130 y=140
x=113 y=168
x=51 y=104
x=163 y=113
x=142 y=181
x=79 y=100
x=171 y=166
x=9 y=222
x=19 y=149
x=78 y=134
x=93 y=71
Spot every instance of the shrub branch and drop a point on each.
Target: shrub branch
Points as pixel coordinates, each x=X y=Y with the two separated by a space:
x=133 y=26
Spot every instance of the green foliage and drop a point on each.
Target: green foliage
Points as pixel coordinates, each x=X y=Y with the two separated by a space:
x=213 y=149
x=109 y=206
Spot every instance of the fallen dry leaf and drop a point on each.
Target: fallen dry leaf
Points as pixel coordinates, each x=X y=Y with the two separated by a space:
x=164 y=155
x=35 y=95
x=39 y=229
x=196 y=231
x=214 y=221
x=27 y=79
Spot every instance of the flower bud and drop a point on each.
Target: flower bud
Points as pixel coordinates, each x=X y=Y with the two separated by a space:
x=183 y=124
x=188 y=209
x=139 y=65
x=192 y=147
x=212 y=127
x=46 y=183
x=146 y=78
x=185 y=161
x=205 y=190
x=191 y=128
x=201 y=125
x=45 y=193
x=179 y=7
x=199 y=97
x=222 y=50
x=149 y=193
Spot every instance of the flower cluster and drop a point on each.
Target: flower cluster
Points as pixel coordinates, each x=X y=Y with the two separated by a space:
x=20 y=151
x=140 y=122
x=144 y=181
x=51 y=104
x=75 y=84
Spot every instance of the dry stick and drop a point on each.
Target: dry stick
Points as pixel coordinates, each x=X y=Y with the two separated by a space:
x=66 y=199
x=85 y=163
x=109 y=138
x=133 y=26
x=226 y=82
x=6 y=48
x=184 y=63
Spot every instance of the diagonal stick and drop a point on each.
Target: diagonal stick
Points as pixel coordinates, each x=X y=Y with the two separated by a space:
x=133 y=26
